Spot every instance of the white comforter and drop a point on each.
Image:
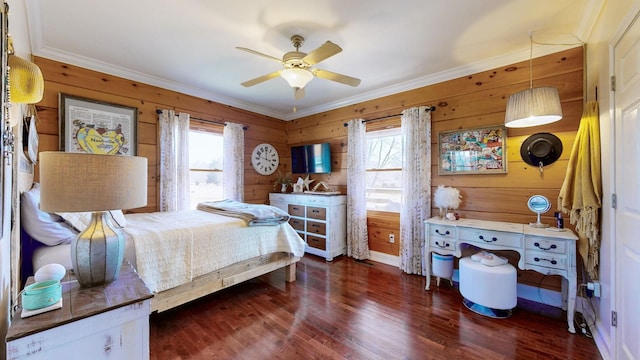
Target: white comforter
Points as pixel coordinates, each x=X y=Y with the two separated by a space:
x=172 y=248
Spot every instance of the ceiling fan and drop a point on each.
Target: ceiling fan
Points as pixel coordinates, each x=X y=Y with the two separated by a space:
x=297 y=66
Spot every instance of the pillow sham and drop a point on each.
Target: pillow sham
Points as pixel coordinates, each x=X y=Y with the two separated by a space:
x=47 y=228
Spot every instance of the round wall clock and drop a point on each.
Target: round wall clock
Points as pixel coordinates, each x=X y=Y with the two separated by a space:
x=265 y=159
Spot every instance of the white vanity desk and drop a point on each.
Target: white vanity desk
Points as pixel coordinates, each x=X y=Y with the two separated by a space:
x=546 y=251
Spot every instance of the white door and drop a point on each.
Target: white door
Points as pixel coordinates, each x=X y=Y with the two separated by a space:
x=627 y=185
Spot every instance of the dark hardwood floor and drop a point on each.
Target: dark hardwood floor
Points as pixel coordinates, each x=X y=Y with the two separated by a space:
x=350 y=310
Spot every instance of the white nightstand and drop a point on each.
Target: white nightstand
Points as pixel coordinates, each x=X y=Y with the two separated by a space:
x=108 y=321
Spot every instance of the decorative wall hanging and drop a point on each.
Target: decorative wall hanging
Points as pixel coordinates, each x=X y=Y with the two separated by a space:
x=95 y=127
x=473 y=151
x=541 y=149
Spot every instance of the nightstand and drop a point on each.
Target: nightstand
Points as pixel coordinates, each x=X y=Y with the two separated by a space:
x=106 y=321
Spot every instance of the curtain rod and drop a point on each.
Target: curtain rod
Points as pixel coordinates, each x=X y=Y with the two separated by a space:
x=244 y=127
x=432 y=108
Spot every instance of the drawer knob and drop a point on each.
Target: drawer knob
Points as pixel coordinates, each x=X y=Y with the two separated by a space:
x=552 y=261
x=442 y=233
x=487 y=240
x=315 y=211
x=537 y=244
x=443 y=245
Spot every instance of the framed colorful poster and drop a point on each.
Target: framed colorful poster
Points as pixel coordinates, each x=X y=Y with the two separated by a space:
x=473 y=151
x=95 y=127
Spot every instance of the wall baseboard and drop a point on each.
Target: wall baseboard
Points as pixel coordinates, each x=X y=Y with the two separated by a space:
x=385 y=258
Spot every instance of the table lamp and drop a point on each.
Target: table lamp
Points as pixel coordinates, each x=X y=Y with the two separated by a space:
x=78 y=182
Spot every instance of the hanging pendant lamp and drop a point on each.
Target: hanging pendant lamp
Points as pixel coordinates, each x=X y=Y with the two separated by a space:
x=533 y=106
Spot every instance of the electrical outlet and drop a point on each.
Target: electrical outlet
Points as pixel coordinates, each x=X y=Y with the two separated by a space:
x=392 y=238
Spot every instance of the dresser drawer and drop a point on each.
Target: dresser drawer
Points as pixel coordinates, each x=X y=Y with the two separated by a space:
x=317 y=242
x=317 y=213
x=443 y=243
x=296 y=210
x=316 y=227
x=443 y=231
x=488 y=237
x=297 y=224
x=545 y=244
x=548 y=260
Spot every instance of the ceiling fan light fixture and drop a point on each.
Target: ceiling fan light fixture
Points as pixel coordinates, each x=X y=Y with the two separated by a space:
x=533 y=107
x=297 y=77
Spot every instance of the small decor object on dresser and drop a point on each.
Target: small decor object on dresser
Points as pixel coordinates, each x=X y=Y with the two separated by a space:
x=283 y=181
x=265 y=159
x=447 y=199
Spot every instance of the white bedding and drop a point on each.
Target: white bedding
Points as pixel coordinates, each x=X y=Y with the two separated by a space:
x=172 y=248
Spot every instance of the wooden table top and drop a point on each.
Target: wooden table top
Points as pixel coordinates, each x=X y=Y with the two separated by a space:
x=79 y=303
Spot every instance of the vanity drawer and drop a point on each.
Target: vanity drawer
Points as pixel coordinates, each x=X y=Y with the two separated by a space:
x=488 y=237
x=548 y=260
x=317 y=213
x=316 y=227
x=296 y=210
x=317 y=242
x=442 y=231
x=545 y=244
x=297 y=224
x=440 y=242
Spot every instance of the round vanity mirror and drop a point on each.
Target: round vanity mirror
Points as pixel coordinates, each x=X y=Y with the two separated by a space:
x=539 y=204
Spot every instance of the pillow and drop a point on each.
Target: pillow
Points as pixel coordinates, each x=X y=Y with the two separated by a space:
x=49 y=229
x=80 y=220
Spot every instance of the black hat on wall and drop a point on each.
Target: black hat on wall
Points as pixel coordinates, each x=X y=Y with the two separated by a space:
x=542 y=148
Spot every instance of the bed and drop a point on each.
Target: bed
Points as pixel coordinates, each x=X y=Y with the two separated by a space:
x=180 y=256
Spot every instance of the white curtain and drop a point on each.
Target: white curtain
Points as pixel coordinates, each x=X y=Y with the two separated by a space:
x=357 y=235
x=416 y=187
x=233 y=164
x=174 y=161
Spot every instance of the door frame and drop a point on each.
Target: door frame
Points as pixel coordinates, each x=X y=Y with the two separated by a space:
x=632 y=17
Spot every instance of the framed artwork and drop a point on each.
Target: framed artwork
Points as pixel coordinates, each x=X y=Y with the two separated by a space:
x=473 y=151
x=96 y=127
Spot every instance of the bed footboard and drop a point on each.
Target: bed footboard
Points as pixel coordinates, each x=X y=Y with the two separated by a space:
x=223 y=278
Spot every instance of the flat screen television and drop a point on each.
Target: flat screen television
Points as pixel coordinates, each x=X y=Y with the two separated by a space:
x=311 y=159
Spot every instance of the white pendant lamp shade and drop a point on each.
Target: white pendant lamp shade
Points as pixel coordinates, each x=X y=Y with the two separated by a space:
x=296 y=77
x=533 y=107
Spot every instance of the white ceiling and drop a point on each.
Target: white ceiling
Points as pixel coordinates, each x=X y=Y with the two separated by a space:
x=189 y=46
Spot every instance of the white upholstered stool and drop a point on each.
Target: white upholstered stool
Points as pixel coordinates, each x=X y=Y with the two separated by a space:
x=488 y=290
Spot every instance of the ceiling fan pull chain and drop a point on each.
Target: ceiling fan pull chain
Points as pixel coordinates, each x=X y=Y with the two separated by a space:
x=540 y=165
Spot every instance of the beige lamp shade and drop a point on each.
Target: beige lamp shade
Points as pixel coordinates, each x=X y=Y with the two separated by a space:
x=533 y=107
x=26 y=84
x=76 y=182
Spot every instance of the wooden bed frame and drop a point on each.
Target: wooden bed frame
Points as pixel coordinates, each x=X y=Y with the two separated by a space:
x=224 y=278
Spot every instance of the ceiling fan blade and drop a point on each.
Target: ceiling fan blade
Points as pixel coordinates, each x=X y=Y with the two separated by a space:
x=325 y=50
x=260 y=79
x=329 y=75
x=298 y=93
x=259 y=54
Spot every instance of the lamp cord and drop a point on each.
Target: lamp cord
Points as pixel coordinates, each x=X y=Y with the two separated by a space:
x=531 y=60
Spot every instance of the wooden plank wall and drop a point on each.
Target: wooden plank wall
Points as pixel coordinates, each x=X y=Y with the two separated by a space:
x=467 y=102
x=68 y=79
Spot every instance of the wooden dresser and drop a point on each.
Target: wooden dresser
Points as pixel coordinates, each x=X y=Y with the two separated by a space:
x=546 y=251
x=319 y=219
x=109 y=321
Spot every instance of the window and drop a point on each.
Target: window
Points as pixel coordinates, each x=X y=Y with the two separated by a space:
x=384 y=169
x=205 y=165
